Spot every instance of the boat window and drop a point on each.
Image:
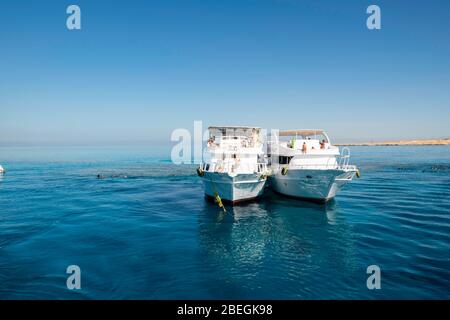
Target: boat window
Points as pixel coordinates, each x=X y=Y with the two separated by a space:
x=284 y=160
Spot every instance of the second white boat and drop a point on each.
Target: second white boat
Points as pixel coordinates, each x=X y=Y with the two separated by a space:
x=308 y=166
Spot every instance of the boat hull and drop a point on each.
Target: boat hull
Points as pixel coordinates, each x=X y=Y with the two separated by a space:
x=234 y=189
x=311 y=184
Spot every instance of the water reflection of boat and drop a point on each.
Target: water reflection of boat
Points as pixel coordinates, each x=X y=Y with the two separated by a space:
x=281 y=241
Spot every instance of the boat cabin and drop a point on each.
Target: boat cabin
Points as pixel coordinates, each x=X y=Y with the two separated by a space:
x=302 y=147
x=305 y=140
x=234 y=137
x=235 y=148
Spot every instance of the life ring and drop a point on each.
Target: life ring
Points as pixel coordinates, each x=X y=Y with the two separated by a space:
x=284 y=171
x=200 y=172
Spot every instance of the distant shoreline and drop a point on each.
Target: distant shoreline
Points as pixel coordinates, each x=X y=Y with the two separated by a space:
x=428 y=142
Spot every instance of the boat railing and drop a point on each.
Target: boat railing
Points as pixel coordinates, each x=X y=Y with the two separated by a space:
x=247 y=148
x=335 y=166
x=344 y=158
x=236 y=141
x=233 y=137
x=341 y=164
x=222 y=167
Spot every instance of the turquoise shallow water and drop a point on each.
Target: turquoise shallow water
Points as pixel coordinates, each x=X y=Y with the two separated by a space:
x=146 y=232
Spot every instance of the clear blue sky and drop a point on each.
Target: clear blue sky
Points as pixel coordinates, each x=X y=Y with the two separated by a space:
x=139 y=69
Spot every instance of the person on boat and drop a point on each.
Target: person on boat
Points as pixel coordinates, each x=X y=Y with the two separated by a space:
x=322 y=144
x=304 y=147
x=236 y=159
x=254 y=138
x=211 y=141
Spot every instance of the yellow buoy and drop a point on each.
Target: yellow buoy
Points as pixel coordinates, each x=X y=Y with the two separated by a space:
x=219 y=201
x=358 y=174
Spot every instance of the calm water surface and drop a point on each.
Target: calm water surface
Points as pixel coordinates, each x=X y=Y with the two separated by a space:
x=144 y=231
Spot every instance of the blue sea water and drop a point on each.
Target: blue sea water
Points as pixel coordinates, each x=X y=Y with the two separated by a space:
x=145 y=231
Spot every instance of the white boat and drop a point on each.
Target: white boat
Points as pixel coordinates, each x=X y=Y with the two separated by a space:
x=234 y=167
x=2 y=170
x=308 y=166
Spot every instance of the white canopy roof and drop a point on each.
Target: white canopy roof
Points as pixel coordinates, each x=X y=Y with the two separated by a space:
x=301 y=132
x=234 y=131
x=232 y=128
